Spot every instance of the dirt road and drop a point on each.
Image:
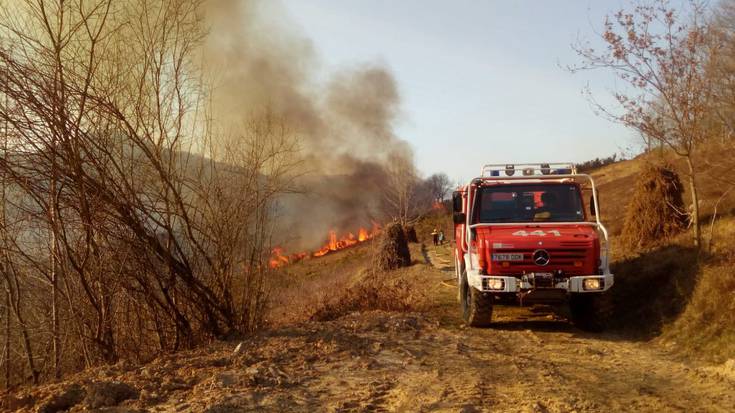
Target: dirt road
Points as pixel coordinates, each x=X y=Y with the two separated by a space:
x=528 y=362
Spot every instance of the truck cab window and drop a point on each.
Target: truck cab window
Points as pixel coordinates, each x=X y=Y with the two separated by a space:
x=529 y=203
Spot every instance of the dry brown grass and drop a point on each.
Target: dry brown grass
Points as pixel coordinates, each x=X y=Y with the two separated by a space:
x=375 y=290
x=683 y=298
x=615 y=186
x=653 y=288
x=617 y=181
x=706 y=328
x=340 y=283
x=300 y=289
x=672 y=292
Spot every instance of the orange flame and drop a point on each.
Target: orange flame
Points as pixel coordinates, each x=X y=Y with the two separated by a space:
x=333 y=240
x=334 y=243
x=277 y=258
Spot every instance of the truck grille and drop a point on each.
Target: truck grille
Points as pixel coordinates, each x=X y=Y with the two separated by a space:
x=558 y=256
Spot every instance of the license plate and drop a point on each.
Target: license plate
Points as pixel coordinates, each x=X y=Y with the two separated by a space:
x=543 y=275
x=507 y=257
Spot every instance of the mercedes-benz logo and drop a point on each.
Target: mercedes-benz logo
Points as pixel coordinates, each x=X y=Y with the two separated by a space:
x=541 y=257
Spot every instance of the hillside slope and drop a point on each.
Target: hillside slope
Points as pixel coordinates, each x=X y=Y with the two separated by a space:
x=670 y=348
x=683 y=298
x=616 y=182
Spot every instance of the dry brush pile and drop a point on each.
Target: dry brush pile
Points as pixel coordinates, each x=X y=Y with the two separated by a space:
x=656 y=211
x=393 y=250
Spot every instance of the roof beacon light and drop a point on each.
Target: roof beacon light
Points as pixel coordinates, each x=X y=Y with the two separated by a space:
x=538 y=170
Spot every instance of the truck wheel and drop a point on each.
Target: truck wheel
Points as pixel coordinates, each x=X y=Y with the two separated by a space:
x=591 y=311
x=477 y=307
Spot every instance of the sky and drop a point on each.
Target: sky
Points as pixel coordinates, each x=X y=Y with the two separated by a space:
x=480 y=81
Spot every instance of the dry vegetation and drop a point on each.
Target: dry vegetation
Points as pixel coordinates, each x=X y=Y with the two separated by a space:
x=119 y=242
x=387 y=291
x=379 y=287
x=147 y=172
x=656 y=211
x=367 y=360
x=669 y=290
x=705 y=329
x=393 y=252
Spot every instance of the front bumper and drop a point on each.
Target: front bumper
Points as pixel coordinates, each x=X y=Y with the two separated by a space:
x=503 y=284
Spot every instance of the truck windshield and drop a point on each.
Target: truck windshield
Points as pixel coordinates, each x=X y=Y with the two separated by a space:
x=529 y=203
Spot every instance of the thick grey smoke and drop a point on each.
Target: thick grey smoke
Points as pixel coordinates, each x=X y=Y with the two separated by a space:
x=344 y=123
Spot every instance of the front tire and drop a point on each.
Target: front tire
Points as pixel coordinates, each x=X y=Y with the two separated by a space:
x=591 y=311
x=477 y=307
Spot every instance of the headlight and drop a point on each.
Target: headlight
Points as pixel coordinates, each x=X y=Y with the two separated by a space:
x=493 y=284
x=496 y=284
x=593 y=284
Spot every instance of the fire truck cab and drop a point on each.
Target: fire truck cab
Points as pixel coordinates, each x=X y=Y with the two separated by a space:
x=525 y=235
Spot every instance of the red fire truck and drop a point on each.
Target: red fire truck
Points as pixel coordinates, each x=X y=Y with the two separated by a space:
x=525 y=235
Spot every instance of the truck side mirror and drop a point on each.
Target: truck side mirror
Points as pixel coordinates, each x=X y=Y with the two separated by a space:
x=457 y=201
x=459 y=217
x=593 y=211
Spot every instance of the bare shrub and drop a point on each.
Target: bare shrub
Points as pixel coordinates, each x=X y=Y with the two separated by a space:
x=134 y=221
x=393 y=252
x=656 y=210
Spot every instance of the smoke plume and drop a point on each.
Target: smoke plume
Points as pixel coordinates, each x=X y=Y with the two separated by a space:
x=345 y=124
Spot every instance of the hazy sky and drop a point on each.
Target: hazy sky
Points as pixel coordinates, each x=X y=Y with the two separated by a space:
x=481 y=81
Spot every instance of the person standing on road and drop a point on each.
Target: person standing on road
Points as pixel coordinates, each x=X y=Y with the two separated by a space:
x=441 y=237
x=435 y=236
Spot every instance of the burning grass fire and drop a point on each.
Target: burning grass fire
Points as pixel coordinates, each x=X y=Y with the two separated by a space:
x=335 y=243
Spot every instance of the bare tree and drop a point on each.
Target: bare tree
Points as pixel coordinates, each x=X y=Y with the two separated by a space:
x=662 y=57
x=135 y=223
x=722 y=69
x=400 y=190
x=439 y=185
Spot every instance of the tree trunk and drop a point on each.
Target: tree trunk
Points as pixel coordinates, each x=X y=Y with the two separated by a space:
x=29 y=356
x=695 y=203
x=55 y=348
x=4 y=234
x=26 y=340
x=7 y=339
